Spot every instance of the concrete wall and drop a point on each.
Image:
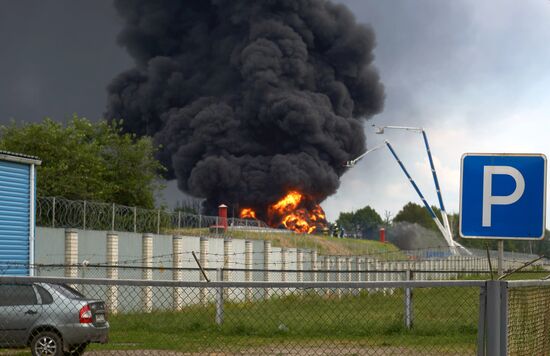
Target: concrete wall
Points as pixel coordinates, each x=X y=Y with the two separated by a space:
x=91 y=246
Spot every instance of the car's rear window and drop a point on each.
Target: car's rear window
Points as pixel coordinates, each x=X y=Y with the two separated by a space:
x=67 y=291
x=44 y=295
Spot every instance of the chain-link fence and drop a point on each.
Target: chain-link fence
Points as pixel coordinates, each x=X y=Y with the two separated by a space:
x=161 y=318
x=81 y=214
x=528 y=318
x=144 y=317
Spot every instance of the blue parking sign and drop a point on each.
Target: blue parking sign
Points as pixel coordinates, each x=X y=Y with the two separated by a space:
x=503 y=196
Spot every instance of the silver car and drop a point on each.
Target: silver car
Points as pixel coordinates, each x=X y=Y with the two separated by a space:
x=53 y=319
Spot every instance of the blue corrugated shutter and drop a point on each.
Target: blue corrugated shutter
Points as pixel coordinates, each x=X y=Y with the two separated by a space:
x=14 y=218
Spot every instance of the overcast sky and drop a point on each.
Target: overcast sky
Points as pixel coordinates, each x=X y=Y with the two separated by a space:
x=474 y=74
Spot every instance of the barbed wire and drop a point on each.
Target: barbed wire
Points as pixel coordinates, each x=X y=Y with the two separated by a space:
x=13 y=265
x=291 y=257
x=86 y=215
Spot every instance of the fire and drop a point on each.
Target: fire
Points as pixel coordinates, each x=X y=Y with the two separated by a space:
x=291 y=211
x=297 y=221
x=288 y=203
x=247 y=213
x=295 y=211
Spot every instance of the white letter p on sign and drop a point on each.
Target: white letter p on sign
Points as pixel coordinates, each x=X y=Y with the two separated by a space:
x=489 y=199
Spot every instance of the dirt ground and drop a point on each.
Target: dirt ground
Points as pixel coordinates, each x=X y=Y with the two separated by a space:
x=382 y=351
x=301 y=351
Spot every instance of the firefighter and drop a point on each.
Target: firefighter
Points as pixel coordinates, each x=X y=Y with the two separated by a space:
x=336 y=230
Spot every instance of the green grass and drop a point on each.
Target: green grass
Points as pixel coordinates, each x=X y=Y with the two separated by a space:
x=325 y=245
x=443 y=317
x=522 y=275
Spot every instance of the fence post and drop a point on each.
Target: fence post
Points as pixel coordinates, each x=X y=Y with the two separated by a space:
x=53 y=212
x=500 y=266
x=112 y=271
x=359 y=262
x=423 y=267
x=326 y=272
x=219 y=299
x=203 y=258
x=113 y=219
x=493 y=314
x=248 y=267
x=71 y=253
x=384 y=267
x=147 y=272
x=135 y=219
x=177 y=273
x=284 y=263
x=267 y=257
x=227 y=261
x=377 y=276
x=314 y=265
x=391 y=275
x=339 y=275
x=349 y=274
x=368 y=271
x=158 y=222
x=408 y=301
x=299 y=265
x=84 y=216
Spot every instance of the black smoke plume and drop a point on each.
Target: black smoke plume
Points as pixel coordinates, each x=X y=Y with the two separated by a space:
x=249 y=99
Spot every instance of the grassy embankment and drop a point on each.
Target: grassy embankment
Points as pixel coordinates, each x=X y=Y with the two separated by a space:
x=325 y=245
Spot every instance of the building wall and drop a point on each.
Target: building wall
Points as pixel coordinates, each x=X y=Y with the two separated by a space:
x=50 y=250
x=15 y=218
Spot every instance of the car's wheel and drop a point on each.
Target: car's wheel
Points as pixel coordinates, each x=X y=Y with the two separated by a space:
x=46 y=343
x=76 y=350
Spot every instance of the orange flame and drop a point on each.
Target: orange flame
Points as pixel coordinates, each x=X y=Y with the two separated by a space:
x=294 y=212
x=289 y=203
x=288 y=212
x=247 y=213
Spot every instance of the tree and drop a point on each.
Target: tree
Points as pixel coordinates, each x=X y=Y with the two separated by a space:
x=189 y=205
x=541 y=247
x=387 y=218
x=415 y=213
x=363 y=222
x=88 y=160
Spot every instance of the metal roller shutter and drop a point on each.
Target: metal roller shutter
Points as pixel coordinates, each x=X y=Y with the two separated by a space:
x=14 y=218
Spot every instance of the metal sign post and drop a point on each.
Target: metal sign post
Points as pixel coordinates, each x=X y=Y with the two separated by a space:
x=500 y=267
x=503 y=197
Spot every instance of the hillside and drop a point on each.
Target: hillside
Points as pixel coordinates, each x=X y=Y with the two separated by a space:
x=324 y=245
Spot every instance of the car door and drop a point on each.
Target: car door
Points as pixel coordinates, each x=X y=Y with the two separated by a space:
x=18 y=312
